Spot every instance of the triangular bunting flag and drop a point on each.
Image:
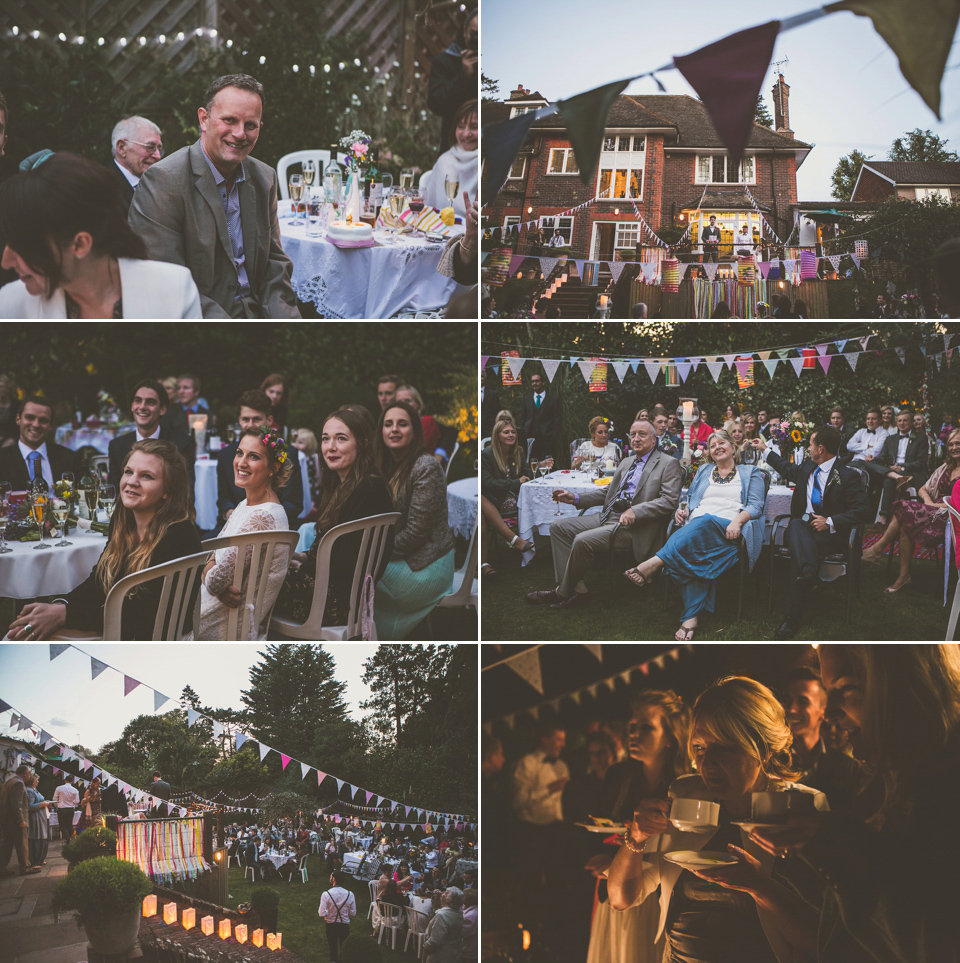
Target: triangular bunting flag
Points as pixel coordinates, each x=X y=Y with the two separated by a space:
x=158 y=699
x=711 y=268
x=822 y=348
x=263 y=751
x=901 y=354
x=547 y=264
x=797 y=364
x=728 y=360
x=825 y=360
x=621 y=368
x=24 y=723
x=284 y=760
x=304 y=769
x=856 y=260
x=527 y=666
x=4 y=706
x=596 y=650
x=550 y=366
x=834 y=259
x=515 y=365
x=240 y=738
x=96 y=667
x=56 y=650
x=501 y=143
x=45 y=737
x=771 y=366
x=586 y=369
x=652 y=368
x=763 y=355
x=192 y=716
x=840 y=345
x=369 y=797
x=616 y=269
x=129 y=685
x=585 y=116
x=784 y=352
x=715 y=367
x=683 y=369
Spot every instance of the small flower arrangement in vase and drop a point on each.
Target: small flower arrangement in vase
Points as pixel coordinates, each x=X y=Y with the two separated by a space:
x=357 y=146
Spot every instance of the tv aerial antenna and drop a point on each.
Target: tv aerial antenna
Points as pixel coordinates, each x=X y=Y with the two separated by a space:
x=779 y=63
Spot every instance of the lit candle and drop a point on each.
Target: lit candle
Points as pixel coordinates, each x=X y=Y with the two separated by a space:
x=170 y=913
x=150 y=905
x=189 y=918
x=688 y=410
x=206 y=926
x=603 y=300
x=223 y=929
x=241 y=932
x=257 y=938
x=271 y=941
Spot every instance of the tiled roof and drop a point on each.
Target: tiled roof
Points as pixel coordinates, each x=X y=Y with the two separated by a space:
x=918 y=172
x=732 y=198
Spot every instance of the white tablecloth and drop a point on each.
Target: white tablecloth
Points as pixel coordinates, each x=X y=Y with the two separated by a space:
x=205 y=493
x=463 y=499
x=278 y=859
x=536 y=509
x=25 y=573
x=464 y=865
x=398 y=274
x=100 y=438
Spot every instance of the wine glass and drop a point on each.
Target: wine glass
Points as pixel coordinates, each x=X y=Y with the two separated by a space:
x=4 y=519
x=534 y=466
x=108 y=499
x=296 y=192
x=546 y=463
x=556 y=493
x=38 y=506
x=451 y=185
x=398 y=201
x=406 y=179
x=309 y=173
x=61 y=509
x=415 y=202
x=91 y=497
x=684 y=508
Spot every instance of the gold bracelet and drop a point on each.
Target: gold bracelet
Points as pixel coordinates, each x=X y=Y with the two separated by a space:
x=629 y=843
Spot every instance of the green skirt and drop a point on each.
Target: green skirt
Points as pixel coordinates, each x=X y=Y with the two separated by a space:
x=404 y=597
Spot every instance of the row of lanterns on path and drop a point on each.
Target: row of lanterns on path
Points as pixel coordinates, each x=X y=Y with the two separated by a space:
x=225 y=928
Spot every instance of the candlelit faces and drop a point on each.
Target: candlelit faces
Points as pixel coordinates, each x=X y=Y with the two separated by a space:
x=251 y=466
x=141 y=484
x=397 y=431
x=338 y=447
x=805 y=706
x=728 y=771
x=844 y=692
x=251 y=418
x=646 y=735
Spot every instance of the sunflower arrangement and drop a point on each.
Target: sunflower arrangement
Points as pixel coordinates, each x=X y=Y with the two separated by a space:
x=787 y=432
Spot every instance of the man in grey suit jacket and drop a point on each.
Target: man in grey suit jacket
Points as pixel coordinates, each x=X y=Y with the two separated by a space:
x=213 y=208
x=643 y=494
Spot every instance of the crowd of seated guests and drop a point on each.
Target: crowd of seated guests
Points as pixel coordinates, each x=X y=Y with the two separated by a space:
x=865 y=736
x=364 y=469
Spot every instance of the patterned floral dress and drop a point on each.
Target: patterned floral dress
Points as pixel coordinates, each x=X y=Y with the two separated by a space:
x=925 y=524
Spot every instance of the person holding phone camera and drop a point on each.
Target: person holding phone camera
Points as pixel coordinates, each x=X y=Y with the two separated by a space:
x=453 y=76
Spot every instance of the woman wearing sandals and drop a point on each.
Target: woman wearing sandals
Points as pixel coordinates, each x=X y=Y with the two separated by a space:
x=725 y=500
x=503 y=469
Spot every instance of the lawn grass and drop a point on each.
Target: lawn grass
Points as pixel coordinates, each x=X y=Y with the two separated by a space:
x=619 y=611
x=302 y=929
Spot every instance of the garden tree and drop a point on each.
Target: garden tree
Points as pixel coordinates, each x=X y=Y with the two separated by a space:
x=763 y=117
x=489 y=88
x=398 y=676
x=920 y=145
x=239 y=774
x=190 y=698
x=286 y=805
x=845 y=174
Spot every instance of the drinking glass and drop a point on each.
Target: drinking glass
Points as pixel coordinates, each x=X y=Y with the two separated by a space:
x=398 y=201
x=546 y=464
x=406 y=178
x=309 y=173
x=4 y=519
x=38 y=506
x=534 y=466
x=415 y=202
x=108 y=499
x=451 y=184
x=556 y=492
x=683 y=510
x=313 y=216
x=61 y=509
x=67 y=477
x=91 y=497
x=296 y=192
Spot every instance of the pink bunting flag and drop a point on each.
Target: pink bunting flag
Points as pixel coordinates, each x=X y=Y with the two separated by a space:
x=728 y=75
x=286 y=759
x=320 y=777
x=129 y=685
x=825 y=360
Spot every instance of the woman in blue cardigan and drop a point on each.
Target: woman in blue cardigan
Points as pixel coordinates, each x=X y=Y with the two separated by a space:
x=725 y=500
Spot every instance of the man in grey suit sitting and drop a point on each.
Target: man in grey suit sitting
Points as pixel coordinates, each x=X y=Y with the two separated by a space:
x=644 y=492
x=213 y=208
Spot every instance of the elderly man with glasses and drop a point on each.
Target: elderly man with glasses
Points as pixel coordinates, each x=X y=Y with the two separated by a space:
x=136 y=144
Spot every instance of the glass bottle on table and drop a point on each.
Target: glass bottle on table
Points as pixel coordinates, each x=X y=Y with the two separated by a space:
x=38 y=509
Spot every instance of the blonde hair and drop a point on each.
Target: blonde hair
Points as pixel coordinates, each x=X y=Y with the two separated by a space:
x=595 y=422
x=742 y=712
x=125 y=552
x=725 y=435
x=417 y=400
x=308 y=438
x=676 y=720
x=503 y=457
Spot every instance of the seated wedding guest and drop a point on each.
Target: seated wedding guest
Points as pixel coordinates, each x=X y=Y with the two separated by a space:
x=725 y=499
x=351 y=487
x=598 y=445
x=903 y=461
x=387 y=389
x=135 y=143
x=699 y=431
x=888 y=419
x=403 y=877
x=66 y=236
x=431 y=430
x=275 y=388
x=261 y=467
x=420 y=570
x=234 y=251
x=253 y=411
x=459 y=257
x=838 y=420
x=643 y=493
x=887 y=873
x=866 y=444
x=740 y=743
x=920 y=523
x=458 y=164
x=829 y=499
x=392 y=895
x=305 y=441
x=150 y=525
x=35 y=453
x=503 y=469
x=671 y=444
x=441 y=943
x=148 y=408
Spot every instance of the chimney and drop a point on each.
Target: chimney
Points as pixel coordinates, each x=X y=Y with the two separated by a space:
x=781 y=107
x=520 y=93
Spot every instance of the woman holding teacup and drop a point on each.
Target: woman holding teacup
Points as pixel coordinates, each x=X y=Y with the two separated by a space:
x=740 y=742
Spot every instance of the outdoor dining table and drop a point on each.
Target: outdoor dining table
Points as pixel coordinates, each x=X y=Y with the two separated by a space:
x=467 y=865
x=278 y=859
x=463 y=499
x=99 y=437
x=205 y=493
x=27 y=574
x=399 y=273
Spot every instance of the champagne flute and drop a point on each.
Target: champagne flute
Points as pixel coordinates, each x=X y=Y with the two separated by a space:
x=91 y=497
x=451 y=185
x=406 y=178
x=534 y=466
x=4 y=519
x=309 y=173
x=556 y=493
x=108 y=499
x=398 y=201
x=546 y=463
x=38 y=505
x=296 y=192
x=61 y=509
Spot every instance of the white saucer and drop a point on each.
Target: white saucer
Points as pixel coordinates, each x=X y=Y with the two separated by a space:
x=609 y=830
x=689 y=859
x=749 y=827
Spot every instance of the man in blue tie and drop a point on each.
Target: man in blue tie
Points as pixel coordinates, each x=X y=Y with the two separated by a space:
x=35 y=455
x=829 y=500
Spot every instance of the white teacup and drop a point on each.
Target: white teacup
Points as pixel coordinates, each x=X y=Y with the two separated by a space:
x=778 y=807
x=695 y=815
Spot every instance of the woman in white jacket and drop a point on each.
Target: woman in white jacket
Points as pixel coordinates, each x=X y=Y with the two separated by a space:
x=460 y=163
x=741 y=744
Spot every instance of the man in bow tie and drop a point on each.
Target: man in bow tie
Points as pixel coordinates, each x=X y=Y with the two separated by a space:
x=829 y=500
x=35 y=455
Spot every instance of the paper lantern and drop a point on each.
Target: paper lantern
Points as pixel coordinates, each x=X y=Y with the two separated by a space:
x=746 y=270
x=861 y=248
x=670 y=275
x=169 y=912
x=150 y=905
x=223 y=929
x=272 y=941
x=206 y=926
x=808 y=266
x=189 y=918
x=241 y=932
x=257 y=938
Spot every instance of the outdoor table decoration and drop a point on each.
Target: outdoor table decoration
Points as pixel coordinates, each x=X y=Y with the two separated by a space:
x=257 y=938
x=240 y=932
x=357 y=145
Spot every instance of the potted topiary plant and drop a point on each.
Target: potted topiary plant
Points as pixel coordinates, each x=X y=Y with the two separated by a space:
x=360 y=949
x=91 y=843
x=266 y=902
x=107 y=894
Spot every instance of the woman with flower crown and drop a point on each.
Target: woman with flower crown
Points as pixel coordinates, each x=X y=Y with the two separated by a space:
x=261 y=467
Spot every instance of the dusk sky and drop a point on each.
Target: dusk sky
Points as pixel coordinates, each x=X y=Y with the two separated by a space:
x=61 y=697
x=846 y=89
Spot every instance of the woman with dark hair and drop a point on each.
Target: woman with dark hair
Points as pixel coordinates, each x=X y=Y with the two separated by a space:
x=431 y=430
x=66 y=235
x=458 y=162
x=90 y=812
x=150 y=525
x=420 y=571
x=275 y=388
x=503 y=469
x=351 y=487
x=722 y=310
x=261 y=467
x=453 y=75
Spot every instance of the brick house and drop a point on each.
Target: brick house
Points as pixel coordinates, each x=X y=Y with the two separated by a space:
x=909 y=181
x=660 y=152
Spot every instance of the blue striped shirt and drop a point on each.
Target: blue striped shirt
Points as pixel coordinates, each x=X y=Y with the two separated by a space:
x=231 y=210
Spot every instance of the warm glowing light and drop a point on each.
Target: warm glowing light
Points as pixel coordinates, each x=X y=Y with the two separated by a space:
x=603 y=301
x=241 y=933
x=189 y=918
x=223 y=929
x=206 y=926
x=526 y=939
x=150 y=905
x=218 y=856
x=272 y=941
x=257 y=938
x=170 y=913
